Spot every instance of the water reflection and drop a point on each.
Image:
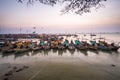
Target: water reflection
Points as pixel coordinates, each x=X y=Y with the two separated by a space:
x=72 y=52
x=21 y=54
x=58 y=53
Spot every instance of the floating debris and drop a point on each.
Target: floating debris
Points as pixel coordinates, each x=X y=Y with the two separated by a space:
x=20 y=69
x=25 y=66
x=113 y=65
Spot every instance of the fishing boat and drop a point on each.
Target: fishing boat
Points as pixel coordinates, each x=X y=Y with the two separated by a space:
x=93 y=45
x=7 y=51
x=115 y=48
x=54 y=46
x=46 y=47
x=61 y=47
x=81 y=47
x=104 y=48
x=36 y=48
x=92 y=34
x=66 y=43
x=17 y=50
x=71 y=47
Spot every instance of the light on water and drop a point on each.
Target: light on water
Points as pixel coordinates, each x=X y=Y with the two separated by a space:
x=64 y=64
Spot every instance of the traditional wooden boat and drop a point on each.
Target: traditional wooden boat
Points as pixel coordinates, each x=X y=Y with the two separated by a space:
x=61 y=47
x=108 y=47
x=115 y=48
x=54 y=47
x=46 y=47
x=17 y=50
x=7 y=51
x=104 y=48
x=66 y=43
x=93 y=47
x=36 y=48
x=81 y=47
x=71 y=47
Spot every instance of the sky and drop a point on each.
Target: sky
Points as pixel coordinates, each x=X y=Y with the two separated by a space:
x=18 y=17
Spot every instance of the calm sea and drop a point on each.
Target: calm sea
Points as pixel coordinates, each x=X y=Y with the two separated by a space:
x=100 y=65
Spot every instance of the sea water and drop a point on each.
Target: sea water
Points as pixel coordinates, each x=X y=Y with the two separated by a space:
x=65 y=64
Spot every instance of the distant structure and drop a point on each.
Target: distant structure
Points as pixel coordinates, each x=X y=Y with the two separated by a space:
x=20 y=30
x=34 y=30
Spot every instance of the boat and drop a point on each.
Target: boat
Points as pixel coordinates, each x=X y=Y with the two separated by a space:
x=17 y=50
x=71 y=47
x=46 y=47
x=7 y=51
x=104 y=48
x=81 y=47
x=36 y=48
x=115 y=48
x=93 y=45
x=66 y=43
x=54 y=46
x=61 y=47
x=92 y=34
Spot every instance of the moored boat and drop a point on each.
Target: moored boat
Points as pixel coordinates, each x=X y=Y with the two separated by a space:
x=7 y=51
x=81 y=47
x=61 y=47
x=17 y=50
x=36 y=48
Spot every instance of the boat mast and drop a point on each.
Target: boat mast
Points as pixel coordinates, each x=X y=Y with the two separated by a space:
x=20 y=30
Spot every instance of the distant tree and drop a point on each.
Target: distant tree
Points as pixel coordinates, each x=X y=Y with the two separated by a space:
x=75 y=6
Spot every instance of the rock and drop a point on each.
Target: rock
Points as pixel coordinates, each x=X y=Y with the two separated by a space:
x=25 y=66
x=112 y=65
x=20 y=69
x=5 y=78
x=14 y=67
x=9 y=73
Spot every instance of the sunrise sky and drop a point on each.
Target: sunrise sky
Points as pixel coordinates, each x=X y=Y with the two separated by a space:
x=47 y=19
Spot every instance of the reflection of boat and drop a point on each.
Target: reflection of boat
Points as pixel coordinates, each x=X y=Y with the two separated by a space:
x=94 y=51
x=72 y=51
x=60 y=52
x=21 y=54
x=84 y=52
